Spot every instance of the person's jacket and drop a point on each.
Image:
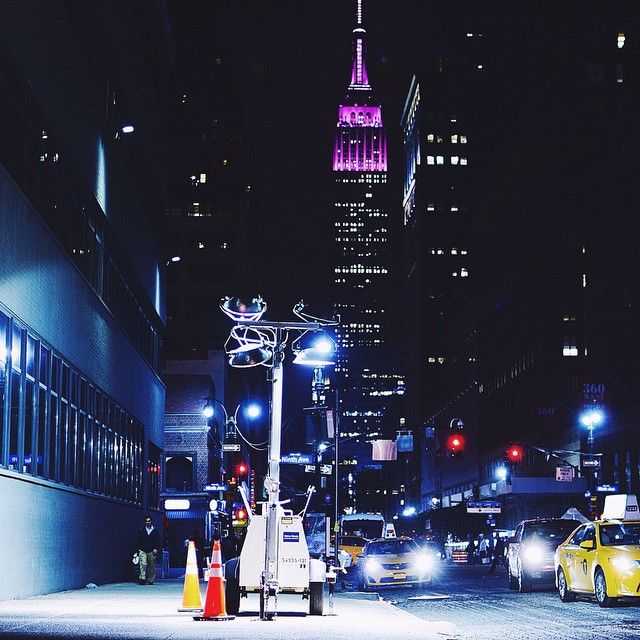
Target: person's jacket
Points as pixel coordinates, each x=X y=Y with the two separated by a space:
x=148 y=541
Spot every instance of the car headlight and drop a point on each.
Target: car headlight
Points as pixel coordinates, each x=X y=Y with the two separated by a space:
x=624 y=564
x=533 y=554
x=371 y=565
x=424 y=563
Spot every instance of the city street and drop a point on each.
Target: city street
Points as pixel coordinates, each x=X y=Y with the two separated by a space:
x=482 y=607
x=463 y=602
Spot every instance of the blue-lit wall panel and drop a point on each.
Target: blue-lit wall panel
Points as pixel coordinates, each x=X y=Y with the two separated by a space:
x=45 y=291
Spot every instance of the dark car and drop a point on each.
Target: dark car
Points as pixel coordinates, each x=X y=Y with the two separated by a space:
x=530 y=555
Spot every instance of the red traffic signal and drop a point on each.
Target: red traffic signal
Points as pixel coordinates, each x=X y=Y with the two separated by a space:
x=241 y=469
x=455 y=443
x=515 y=453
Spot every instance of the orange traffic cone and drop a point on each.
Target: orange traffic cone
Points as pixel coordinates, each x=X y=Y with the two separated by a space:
x=214 y=602
x=191 y=599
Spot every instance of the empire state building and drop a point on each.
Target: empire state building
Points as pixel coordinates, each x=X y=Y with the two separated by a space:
x=362 y=257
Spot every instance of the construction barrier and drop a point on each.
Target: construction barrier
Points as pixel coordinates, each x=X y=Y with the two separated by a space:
x=191 y=598
x=214 y=601
x=459 y=557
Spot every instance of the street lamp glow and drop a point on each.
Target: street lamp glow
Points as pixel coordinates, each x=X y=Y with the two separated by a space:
x=408 y=512
x=127 y=128
x=592 y=418
x=253 y=411
x=322 y=447
x=208 y=410
x=501 y=473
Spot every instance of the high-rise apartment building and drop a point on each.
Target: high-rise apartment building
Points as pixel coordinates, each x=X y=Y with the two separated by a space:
x=366 y=378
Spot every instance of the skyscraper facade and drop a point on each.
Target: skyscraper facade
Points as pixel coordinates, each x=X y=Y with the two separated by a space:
x=362 y=272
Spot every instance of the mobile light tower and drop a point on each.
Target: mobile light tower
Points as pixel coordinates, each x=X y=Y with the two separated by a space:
x=256 y=342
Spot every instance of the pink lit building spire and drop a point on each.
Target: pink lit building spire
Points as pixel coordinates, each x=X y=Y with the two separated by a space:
x=360 y=141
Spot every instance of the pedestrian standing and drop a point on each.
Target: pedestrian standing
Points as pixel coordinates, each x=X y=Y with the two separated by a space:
x=498 y=555
x=148 y=545
x=483 y=548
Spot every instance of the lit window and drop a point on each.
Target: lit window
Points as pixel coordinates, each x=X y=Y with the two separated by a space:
x=454 y=252
x=621 y=40
x=463 y=139
x=247 y=189
x=430 y=137
x=464 y=273
x=431 y=207
x=584 y=279
x=454 y=138
x=430 y=160
x=454 y=159
x=570 y=347
x=463 y=161
x=439 y=159
x=454 y=209
x=480 y=66
x=200 y=245
x=203 y=178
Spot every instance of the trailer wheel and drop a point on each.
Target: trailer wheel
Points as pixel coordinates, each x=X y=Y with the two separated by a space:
x=316 y=598
x=232 y=586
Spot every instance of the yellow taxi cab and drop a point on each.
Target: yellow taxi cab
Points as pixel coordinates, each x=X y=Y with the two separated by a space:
x=353 y=545
x=602 y=558
x=394 y=561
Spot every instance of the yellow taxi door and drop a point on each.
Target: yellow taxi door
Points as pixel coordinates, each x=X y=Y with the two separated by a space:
x=581 y=579
x=567 y=556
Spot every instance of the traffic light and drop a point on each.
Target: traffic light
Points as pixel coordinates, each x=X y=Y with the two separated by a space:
x=238 y=516
x=241 y=469
x=455 y=444
x=514 y=453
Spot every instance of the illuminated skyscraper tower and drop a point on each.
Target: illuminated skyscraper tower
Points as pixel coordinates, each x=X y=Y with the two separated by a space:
x=361 y=260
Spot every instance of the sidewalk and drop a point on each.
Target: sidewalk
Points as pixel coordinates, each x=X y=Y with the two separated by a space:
x=133 y=612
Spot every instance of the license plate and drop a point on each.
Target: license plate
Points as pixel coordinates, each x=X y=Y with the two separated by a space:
x=399 y=576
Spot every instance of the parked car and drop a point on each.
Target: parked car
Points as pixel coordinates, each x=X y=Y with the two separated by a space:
x=394 y=561
x=530 y=554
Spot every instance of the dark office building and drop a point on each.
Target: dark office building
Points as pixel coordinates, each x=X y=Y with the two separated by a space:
x=81 y=292
x=552 y=153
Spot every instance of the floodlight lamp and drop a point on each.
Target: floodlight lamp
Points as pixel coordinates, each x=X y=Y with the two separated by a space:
x=249 y=355
x=243 y=309
x=314 y=348
x=127 y=127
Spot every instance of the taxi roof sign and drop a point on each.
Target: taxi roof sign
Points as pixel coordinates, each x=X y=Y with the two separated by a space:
x=621 y=506
x=389 y=530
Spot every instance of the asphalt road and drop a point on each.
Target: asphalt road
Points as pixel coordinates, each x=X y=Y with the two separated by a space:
x=482 y=607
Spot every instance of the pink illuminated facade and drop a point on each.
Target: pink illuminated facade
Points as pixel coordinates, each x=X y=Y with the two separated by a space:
x=360 y=141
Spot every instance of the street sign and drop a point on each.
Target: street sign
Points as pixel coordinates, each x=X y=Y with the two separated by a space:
x=296 y=458
x=564 y=474
x=216 y=487
x=230 y=447
x=607 y=488
x=485 y=506
x=326 y=469
x=593 y=463
x=309 y=468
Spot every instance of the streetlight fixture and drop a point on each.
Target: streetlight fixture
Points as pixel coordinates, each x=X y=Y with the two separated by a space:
x=261 y=342
x=591 y=419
